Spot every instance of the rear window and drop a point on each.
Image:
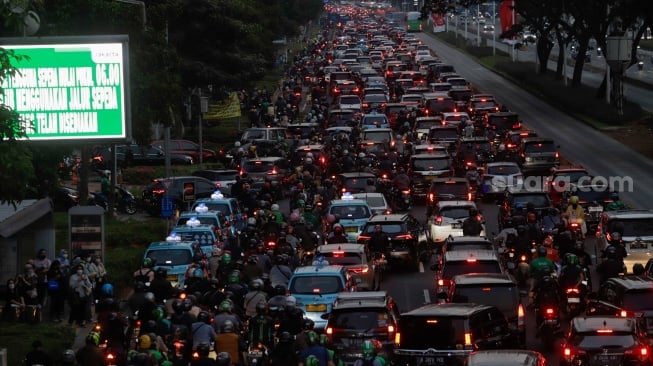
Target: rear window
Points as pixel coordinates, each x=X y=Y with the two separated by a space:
x=170 y=257
x=388 y=228
x=598 y=194
x=595 y=340
x=454 y=268
x=633 y=227
x=375 y=98
x=430 y=164
x=427 y=124
x=350 y=212
x=342 y=259
x=504 y=297
x=254 y=135
x=378 y=136
x=455 y=188
x=443 y=134
x=376 y=120
x=484 y=104
x=304 y=285
x=538 y=200
x=258 y=166
x=394 y=109
x=457 y=212
x=460 y=95
x=440 y=105
x=478 y=245
x=350 y=100
x=375 y=201
x=357 y=319
x=539 y=147
x=431 y=332
x=503 y=170
x=638 y=300
x=503 y=122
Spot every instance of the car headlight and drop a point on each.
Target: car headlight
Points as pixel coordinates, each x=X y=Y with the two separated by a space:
x=528 y=159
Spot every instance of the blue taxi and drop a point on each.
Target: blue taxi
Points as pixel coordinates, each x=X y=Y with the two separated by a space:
x=351 y=213
x=228 y=206
x=204 y=235
x=316 y=287
x=174 y=255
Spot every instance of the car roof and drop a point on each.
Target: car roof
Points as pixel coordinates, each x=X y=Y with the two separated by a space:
x=447 y=309
x=311 y=270
x=435 y=155
x=363 y=298
x=633 y=282
x=270 y=159
x=450 y=179
x=459 y=203
x=157 y=245
x=348 y=202
x=465 y=254
x=536 y=139
x=629 y=214
x=593 y=323
x=505 y=357
x=483 y=278
x=388 y=217
x=346 y=247
x=357 y=175
x=501 y=163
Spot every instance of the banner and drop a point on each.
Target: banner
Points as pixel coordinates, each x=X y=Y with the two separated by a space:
x=438 y=22
x=226 y=109
x=507 y=15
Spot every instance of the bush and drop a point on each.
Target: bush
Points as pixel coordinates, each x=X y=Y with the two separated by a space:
x=17 y=338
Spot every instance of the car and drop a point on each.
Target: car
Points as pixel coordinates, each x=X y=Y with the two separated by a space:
x=594 y=198
x=357 y=260
x=409 y=243
x=411 y=99
x=392 y=110
x=255 y=134
x=495 y=289
x=380 y=134
x=440 y=87
x=444 y=135
x=376 y=201
x=137 y=155
x=229 y=207
x=498 y=176
x=187 y=147
x=448 y=217
x=341 y=117
x=316 y=287
x=636 y=228
x=183 y=190
x=632 y=294
x=448 y=189
x=64 y=198
x=349 y=100
x=375 y=103
x=446 y=334
x=466 y=243
x=206 y=236
x=359 y=316
x=438 y=103
x=455 y=118
x=488 y=28
x=509 y=145
x=506 y=357
x=423 y=125
x=424 y=169
x=374 y=120
x=301 y=131
x=270 y=169
x=317 y=150
x=512 y=198
x=605 y=340
x=351 y=213
x=429 y=149
x=214 y=218
x=538 y=154
x=501 y=122
x=222 y=178
x=457 y=262
x=470 y=151
x=173 y=255
x=359 y=182
x=481 y=105
x=560 y=178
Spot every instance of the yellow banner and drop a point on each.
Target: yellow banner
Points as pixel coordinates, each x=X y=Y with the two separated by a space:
x=227 y=109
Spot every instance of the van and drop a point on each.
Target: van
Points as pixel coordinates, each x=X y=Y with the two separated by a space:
x=263 y=134
x=174 y=256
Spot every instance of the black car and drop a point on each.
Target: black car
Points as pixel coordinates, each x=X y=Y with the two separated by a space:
x=448 y=189
x=633 y=294
x=130 y=155
x=408 y=240
x=472 y=151
x=182 y=190
x=445 y=334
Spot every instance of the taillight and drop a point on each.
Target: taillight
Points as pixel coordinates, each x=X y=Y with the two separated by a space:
x=406 y=191
x=437 y=220
x=397 y=338
x=469 y=196
x=557 y=155
x=405 y=237
x=639 y=352
x=328 y=331
x=521 y=317
x=110 y=357
x=158 y=191
x=359 y=269
x=273 y=171
x=364 y=237
x=431 y=197
x=272 y=244
x=391 y=332
x=549 y=312
x=567 y=352
x=468 y=339
x=441 y=282
x=572 y=291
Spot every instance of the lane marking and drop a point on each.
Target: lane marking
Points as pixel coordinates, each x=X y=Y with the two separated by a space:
x=421 y=267
x=427 y=296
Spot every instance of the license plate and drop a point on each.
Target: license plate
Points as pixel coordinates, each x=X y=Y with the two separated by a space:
x=354 y=342
x=351 y=229
x=595 y=209
x=172 y=278
x=573 y=300
x=606 y=358
x=430 y=360
x=316 y=307
x=638 y=245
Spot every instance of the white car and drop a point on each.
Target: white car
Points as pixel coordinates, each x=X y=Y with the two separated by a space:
x=376 y=201
x=499 y=176
x=447 y=219
x=352 y=102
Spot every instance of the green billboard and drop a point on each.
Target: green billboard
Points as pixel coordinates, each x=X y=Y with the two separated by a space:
x=70 y=88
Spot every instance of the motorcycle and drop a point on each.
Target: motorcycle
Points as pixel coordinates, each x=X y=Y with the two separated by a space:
x=401 y=199
x=574 y=301
x=257 y=354
x=125 y=202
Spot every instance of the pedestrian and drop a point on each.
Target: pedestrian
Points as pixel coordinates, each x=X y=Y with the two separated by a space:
x=64 y=262
x=41 y=266
x=97 y=273
x=37 y=356
x=57 y=291
x=14 y=302
x=80 y=290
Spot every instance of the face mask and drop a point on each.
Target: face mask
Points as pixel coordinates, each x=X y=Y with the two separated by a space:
x=80 y=272
x=42 y=256
x=65 y=256
x=12 y=286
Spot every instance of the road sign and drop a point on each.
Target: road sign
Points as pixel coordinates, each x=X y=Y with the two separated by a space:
x=189 y=191
x=167 y=207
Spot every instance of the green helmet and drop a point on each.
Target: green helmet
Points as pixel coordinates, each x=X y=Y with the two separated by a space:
x=368 y=348
x=93 y=337
x=572 y=259
x=225 y=306
x=313 y=338
x=233 y=278
x=148 y=263
x=226 y=258
x=158 y=313
x=301 y=203
x=312 y=361
x=324 y=340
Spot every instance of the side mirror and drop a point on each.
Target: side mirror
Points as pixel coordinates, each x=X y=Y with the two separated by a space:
x=324 y=316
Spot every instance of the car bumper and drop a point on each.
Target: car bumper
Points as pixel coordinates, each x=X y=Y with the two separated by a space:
x=441 y=233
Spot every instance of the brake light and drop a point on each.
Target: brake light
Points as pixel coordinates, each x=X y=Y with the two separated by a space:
x=158 y=191
x=479 y=218
x=471 y=260
x=437 y=220
x=521 y=316
x=440 y=282
x=468 y=338
x=364 y=237
x=549 y=312
x=405 y=237
x=469 y=196
x=557 y=155
x=516 y=126
x=359 y=269
x=406 y=191
x=574 y=225
x=272 y=244
x=338 y=254
x=431 y=197
x=604 y=331
x=329 y=331
x=567 y=352
x=397 y=338
x=468 y=163
x=510 y=146
x=572 y=291
x=138 y=323
x=623 y=314
x=110 y=356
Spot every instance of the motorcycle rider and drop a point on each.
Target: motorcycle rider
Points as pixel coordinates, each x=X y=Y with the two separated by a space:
x=203 y=350
x=280 y=272
x=539 y=268
x=369 y=355
x=324 y=342
x=237 y=289
x=255 y=296
x=638 y=269
x=225 y=313
x=379 y=240
x=292 y=318
x=283 y=354
x=472 y=226
x=401 y=182
x=261 y=327
x=301 y=338
x=611 y=267
x=90 y=354
x=160 y=286
x=551 y=221
x=571 y=275
x=229 y=341
x=145 y=274
x=533 y=228
x=315 y=350
x=576 y=213
x=201 y=330
x=337 y=235
x=617 y=243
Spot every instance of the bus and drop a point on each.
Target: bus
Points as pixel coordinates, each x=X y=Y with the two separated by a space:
x=413 y=22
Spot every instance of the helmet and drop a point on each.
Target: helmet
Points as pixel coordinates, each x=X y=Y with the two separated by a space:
x=226 y=258
x=308 y=324
x=331 y=218
x=367 y=348
x=198 y=273
x=378 y=346
x=311 y=360
x=541 y=251
x=280 y=290
x=572 y=259
x=251 y=221
x=638 y=269
x=300 y=185
x=148 y=263
x=285 y=337
x=294 y=217
x=548 y=242
x=252 y=259
x=256 y=285
x=521 y=229
x=301 y=203
x=361 y=155
x=519 y=206
x=188 y=304
x=178 y=306
x=144 y=341
x=313 y=338
x=308 y=160
x=234 y=277
x=324 y=340
x=223 y=359
x=473 y=212
x=553 y=211
x=149 y=296
x=616 y=236
x=291 y=302
x=225 y=306
x=611 y=252
x=158 y=313
x=274 y=207
x=573 y=200
x=204 y=317
x=261 y=307
x=227 y=326
x=531 y=217
x=107 y=289
x=93 y=337
x=68 y=356
x=337 y=226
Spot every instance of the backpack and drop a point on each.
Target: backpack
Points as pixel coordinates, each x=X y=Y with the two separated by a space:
x=143 y=277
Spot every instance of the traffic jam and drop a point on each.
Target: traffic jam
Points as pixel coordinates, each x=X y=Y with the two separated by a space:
x=378 y=160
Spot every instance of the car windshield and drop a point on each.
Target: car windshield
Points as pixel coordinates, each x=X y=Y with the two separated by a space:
x=540 y=147
x=457 y=212
x=204 y=220
x=257 y=166
x=170 y=257
x=218 y=206
x=304 y=131
x=443 y=332
x=597 y=340
x=638 y=300
x=358 y=319
x=502 y=170
x=456 y=117
x=341 y=116
x=341 y=258
x=386 y=227
x=454 y=268
x=538 y=200
x=305 y=285
x=378 y=136
x=351 y=212
x=431 y=164
x=376 y=120
x=504 y=297
x=454 y=189
x=443 y=134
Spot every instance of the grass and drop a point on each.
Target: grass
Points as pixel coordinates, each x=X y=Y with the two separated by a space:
x=17 y=338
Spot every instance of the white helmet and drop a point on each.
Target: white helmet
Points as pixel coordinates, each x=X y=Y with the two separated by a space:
x=274 y=207
x=309 y=155
x=251 y=221
x=291 y=301
x=237 y=144
x=361 y=155
x=309 y=161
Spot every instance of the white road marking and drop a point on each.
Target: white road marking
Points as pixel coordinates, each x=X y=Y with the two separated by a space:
x=421 y=267
x=427 y=296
